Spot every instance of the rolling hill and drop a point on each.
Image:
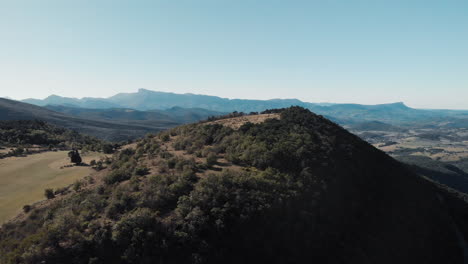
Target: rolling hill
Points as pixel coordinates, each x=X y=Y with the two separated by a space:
x=287 y=188
x=111 y=124
x=112 y=131
x=177 y=115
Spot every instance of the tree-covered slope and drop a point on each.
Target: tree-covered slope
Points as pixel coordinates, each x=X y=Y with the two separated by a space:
x=35 y=133
x=104 y=129
x=294 y=189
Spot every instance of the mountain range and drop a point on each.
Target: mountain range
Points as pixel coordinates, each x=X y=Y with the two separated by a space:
x=147 y=100
x=131 y=115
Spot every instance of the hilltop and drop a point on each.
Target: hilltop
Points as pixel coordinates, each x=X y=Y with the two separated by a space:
x=237 y=122
x=292 y=188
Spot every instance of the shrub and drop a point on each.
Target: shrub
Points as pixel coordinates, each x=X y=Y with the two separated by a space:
x=77 y=186
x=211 y=159
x=107 y=148
x=90 y=180
x=120 y=203
x=98 y=166
x=142 y=171
x=19 y=151
x=117 y=176
x=100 y=189
x=62 y=190
x=165 y=155
x=171 y=163
x=26 y=208
x=165 y=137
x=49 y=193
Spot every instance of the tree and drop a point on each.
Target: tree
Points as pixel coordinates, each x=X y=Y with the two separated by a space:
x=165 y=137
x=142 y=171
x=27 y=208
x=107 y=148
x=74 y=156
x=49 y=193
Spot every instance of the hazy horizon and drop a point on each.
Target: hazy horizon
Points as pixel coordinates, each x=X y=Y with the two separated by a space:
x=136 y=90
x=362 y=52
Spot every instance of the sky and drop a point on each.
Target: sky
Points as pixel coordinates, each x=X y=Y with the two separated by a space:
x=341 y=51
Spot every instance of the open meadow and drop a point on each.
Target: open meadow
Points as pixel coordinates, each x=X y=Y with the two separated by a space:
x=24 y=179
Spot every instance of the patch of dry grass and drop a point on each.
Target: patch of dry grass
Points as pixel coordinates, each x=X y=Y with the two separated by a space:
x=237 y=122
x=24 y=179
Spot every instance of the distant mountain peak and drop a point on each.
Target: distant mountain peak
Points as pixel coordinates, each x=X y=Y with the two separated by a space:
x=143 y=90
x=402 y=104
x=54 y=96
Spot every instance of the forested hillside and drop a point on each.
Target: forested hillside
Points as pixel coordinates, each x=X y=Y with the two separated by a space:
x=107 y=130
x=39 y=135
x=170 y=117
x=296 y=188
x=110 y=124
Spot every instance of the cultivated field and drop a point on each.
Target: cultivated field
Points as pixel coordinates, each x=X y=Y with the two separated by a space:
x=24 y=179
x=447 y=145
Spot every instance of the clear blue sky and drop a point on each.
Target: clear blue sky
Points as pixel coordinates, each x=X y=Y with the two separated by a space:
x=318 y=51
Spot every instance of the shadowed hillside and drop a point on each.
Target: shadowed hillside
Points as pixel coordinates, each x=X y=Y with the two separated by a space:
x=293 y=189
x=109 y=124
x=174 y=115
x=113 y=131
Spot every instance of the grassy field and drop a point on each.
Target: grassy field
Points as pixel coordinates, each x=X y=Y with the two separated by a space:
x=24 y=179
